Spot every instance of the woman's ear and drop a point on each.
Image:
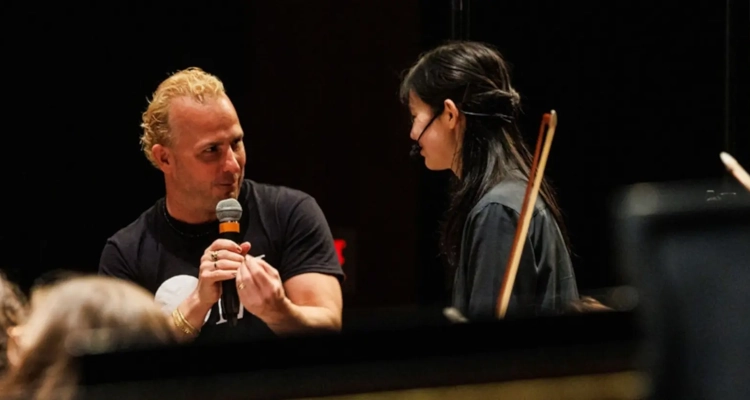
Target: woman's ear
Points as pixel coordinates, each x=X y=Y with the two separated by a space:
x=451 y=113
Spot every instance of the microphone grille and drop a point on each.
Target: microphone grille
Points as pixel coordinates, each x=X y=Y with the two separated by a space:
x=228 y=210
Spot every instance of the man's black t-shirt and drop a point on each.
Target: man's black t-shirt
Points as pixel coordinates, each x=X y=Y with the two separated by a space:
x=163 y=255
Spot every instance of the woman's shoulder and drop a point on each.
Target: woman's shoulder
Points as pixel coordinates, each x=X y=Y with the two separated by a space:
x=509 y=195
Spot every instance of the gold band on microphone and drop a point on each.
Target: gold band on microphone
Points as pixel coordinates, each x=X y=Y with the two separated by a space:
x=229 y=226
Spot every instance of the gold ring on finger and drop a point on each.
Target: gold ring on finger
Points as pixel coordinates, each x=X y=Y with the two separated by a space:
x=214 y=256
x=241 y=286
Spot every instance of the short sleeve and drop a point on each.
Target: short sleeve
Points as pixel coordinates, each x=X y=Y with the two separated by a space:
x=308 y=243
x=486 y=247
x=112 y=263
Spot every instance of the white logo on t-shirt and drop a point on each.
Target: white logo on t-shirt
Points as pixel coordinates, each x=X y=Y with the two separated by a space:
x=176 y=289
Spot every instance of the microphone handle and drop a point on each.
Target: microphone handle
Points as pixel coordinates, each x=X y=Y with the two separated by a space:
x=230 y=300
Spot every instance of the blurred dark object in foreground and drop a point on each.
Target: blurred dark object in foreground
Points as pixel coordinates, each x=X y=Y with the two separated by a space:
x=687 y=252
x=565 y=351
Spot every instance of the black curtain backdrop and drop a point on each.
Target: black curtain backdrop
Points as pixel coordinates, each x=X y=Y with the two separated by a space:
x=639 y=89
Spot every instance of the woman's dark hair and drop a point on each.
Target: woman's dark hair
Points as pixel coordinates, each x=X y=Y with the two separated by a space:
x=475 y=76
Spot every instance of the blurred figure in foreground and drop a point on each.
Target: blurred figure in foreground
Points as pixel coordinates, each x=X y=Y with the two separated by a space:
x=78 y=315
x=12 y=313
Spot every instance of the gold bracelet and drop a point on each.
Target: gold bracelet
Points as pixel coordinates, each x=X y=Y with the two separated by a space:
x=182 y=324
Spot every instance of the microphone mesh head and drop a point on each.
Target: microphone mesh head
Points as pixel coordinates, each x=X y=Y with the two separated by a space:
x=228 y=210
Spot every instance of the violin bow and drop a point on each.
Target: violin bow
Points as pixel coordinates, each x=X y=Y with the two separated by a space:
x=735 y=169
x=532 y=191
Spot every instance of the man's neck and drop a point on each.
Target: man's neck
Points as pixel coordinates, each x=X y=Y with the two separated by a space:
x=184 y=213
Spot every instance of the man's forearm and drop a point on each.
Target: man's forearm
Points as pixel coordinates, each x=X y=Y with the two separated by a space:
x=300 y=319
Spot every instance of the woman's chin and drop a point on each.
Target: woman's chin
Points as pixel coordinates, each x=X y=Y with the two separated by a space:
x=434 y=166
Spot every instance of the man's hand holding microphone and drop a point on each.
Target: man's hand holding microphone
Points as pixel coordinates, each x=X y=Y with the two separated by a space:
x=224 y=266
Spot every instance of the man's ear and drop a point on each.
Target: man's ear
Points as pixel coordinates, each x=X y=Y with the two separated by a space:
x=162 y=156
x=451 y=113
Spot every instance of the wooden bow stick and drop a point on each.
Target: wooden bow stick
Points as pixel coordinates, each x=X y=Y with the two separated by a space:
x=735 y=169
x=532 y=191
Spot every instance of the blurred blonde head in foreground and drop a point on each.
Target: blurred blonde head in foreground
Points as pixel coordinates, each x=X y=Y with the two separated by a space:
x=79 y=315
x=12 y=313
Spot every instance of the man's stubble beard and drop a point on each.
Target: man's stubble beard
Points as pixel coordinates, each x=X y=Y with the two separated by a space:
x=199 y=199
x=203 y=199
x=234 y=194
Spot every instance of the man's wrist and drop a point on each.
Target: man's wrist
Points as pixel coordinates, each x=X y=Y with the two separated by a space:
x=195 y=302
x=195 y=310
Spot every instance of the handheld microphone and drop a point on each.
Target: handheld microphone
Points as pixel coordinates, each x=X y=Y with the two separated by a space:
x=228 y=212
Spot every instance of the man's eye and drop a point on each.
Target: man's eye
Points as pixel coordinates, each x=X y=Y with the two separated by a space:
x=211 y=149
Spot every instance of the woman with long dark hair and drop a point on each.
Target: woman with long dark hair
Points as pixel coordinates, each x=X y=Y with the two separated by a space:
x=464 y=112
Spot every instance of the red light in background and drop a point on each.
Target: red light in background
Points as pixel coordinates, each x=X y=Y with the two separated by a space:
x=340 y=246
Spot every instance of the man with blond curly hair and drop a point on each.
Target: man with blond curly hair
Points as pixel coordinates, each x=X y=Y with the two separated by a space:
x=191 y=132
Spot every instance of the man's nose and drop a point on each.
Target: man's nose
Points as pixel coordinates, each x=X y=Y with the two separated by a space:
x=232 y=164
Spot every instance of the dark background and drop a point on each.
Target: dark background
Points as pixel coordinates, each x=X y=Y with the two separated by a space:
x=641 y=90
